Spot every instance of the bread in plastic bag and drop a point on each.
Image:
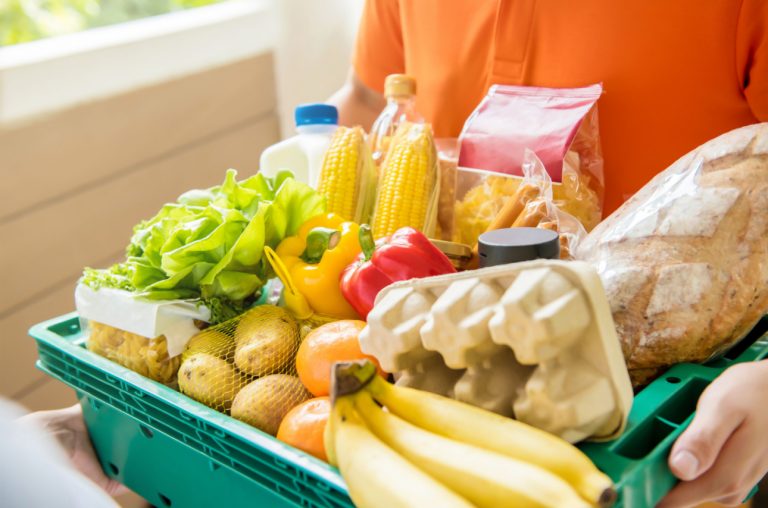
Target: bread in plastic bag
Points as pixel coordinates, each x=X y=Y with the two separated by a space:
x=685 y=260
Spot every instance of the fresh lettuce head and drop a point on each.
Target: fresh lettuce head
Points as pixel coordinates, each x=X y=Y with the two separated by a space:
x=209 y=244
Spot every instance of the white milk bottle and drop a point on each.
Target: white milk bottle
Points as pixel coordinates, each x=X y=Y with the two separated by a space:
x=303 y=153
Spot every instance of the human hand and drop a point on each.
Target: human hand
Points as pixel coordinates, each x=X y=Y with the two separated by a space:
x=724 y=452
x=68 y=427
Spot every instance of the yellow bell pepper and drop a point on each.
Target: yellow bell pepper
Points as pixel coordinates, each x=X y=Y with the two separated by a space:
x=315 y=258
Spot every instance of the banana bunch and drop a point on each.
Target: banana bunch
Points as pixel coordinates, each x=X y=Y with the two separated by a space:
x=398 y=447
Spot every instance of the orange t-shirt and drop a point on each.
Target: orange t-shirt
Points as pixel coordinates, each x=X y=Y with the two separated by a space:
x=675 y=73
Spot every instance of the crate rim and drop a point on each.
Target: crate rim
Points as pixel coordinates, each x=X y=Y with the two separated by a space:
x=295 y=457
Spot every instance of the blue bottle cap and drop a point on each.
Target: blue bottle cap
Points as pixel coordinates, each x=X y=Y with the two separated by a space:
x=317 y=113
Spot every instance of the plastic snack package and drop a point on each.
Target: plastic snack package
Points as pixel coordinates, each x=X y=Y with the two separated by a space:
x=145 y=336
x=488 y=200
x=147 y=356
x=559 y=124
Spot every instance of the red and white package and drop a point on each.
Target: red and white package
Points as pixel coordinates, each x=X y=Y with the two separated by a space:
x=558 y=124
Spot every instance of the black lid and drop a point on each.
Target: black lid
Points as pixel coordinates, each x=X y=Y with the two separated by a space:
x=512 y=245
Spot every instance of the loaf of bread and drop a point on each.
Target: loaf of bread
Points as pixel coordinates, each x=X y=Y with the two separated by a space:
x=684 y=262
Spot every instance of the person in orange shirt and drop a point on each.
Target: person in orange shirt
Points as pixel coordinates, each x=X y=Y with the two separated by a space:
x=675 y=74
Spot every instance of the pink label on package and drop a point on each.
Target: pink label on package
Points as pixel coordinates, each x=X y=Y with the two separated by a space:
x=513 y=118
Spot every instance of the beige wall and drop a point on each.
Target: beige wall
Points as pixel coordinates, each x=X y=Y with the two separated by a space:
x=72 y=185
x=313 y=51
x=73 y=182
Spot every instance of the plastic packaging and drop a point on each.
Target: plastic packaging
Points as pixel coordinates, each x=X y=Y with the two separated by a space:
x=447 y=163
x=142 y=335
x=685 y=261
x=487 y=200
x=147 y=356
x=459 y=253
x=566 y=374
x=303 y=153
x=560 y=125
x=400 y=91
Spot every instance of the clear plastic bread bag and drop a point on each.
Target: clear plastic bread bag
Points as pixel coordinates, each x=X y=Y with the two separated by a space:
x=683 y=261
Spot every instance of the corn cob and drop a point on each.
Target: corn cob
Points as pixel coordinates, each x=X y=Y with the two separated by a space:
x=407 y=182
x=346 y=175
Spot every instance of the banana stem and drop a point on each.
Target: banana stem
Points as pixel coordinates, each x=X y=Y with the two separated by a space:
x=607 y=498
x=597 y=488
x=350 y=377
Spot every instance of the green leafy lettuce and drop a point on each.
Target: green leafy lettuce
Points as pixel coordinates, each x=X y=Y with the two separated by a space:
x=209 y=244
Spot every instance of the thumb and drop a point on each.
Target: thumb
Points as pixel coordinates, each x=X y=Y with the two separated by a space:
x=698 y=446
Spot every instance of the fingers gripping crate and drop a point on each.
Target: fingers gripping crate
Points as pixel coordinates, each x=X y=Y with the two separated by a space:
x=637 y=461
x=176 y=452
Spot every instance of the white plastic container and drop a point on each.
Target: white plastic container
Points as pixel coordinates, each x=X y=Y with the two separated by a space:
x=303 y=154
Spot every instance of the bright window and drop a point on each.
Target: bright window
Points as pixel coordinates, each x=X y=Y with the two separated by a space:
x=28 y=20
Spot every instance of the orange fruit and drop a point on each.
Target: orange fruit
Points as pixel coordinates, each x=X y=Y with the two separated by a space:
x=322 y=347
x=304 y=425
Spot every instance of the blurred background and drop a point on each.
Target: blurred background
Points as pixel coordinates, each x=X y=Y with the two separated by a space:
x=110 y=108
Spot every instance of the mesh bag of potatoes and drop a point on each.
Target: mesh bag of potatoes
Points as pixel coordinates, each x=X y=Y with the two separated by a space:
x=147 y=356
x=245 y=367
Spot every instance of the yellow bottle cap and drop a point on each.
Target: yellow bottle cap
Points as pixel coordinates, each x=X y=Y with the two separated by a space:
x=399 y=85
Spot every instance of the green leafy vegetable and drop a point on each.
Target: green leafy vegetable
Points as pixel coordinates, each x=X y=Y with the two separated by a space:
x=210 y=243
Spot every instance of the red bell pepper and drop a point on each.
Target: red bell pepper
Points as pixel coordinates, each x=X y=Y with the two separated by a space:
x=407 y=254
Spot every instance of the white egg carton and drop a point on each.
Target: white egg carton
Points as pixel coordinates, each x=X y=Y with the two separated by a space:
x=534 y=341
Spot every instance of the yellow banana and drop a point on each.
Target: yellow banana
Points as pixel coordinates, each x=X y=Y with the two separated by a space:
x=376 y=476
x=485 y=478
x=483 y=429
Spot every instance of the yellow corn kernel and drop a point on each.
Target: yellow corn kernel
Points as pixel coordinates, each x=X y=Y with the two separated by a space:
x=407 y=180
x=339 y=174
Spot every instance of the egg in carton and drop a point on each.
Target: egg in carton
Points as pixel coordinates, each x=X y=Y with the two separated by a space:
x=532 y=340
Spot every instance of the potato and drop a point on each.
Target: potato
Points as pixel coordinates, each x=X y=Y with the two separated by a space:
x=209 y=380
x=211 y=341
x=263 y=403
x=266 y=341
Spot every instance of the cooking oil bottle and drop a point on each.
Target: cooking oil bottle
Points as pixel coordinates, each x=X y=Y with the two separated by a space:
x=400 y=91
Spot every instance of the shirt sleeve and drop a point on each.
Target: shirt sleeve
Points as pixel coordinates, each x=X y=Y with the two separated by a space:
x=35 y=471
x=379 y=46
x=752 y=55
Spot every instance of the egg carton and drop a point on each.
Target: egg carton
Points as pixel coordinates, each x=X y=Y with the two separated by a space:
x=534 y=341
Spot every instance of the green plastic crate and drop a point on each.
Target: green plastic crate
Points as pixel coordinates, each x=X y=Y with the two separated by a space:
x=637 y=461
x=176 y=452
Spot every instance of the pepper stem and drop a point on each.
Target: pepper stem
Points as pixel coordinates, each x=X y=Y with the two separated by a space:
x=319 y=240
x=367 y=243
